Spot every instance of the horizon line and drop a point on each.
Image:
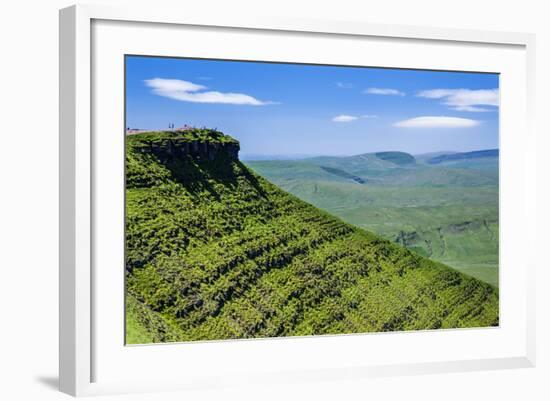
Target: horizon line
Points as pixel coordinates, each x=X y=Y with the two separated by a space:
x=312 y=155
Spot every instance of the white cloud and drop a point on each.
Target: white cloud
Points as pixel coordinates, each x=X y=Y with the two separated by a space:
x=344 y=118
x=437 y=122
x=465 y=99
x=384 y=91
x=189 y=92
x=344 y=85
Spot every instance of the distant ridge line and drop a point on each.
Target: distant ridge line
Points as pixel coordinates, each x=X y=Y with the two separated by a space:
x=464 y=156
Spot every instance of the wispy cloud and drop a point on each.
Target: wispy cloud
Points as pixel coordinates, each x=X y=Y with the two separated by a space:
x=384 y=91
x=186 y=91
x=437 y=122
x=346 y=118
x=344 y=85
x=465 y=99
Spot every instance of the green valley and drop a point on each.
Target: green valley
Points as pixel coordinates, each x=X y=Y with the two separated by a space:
x=442 y=205
x=216 y=249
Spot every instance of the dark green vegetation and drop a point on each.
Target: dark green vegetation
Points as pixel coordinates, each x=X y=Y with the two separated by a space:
x=161 y=138
x=215 y=251
x=399 y=158
x=443 y=206
x=343 y=174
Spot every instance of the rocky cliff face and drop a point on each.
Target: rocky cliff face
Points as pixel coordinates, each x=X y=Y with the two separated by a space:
x=204 y=147
x=202 y=150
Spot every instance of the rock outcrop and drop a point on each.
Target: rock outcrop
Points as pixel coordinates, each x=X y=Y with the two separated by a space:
x=201 y=149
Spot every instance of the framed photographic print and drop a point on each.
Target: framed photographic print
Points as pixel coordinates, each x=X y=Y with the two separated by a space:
x=268 y=199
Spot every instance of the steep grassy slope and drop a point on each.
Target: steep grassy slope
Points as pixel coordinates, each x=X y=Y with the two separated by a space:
x=215 y=251
x=446 y=211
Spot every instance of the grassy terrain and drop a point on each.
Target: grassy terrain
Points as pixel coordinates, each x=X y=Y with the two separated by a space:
x=161 y=137
x=215 y=251
x=446 y=210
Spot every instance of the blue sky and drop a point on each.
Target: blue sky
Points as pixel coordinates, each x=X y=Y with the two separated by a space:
x=290 y=109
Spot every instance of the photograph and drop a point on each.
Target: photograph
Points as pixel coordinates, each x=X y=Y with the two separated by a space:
x=277 y=199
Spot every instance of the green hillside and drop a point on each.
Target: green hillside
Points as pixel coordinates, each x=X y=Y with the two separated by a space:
x=400 y=158
x=446 y=211
x=215 y=251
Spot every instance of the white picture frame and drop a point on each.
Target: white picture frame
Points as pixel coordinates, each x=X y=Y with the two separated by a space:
x=85 y=326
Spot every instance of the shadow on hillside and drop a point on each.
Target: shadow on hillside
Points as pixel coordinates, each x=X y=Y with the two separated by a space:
x=199 y=176
x=251 y=178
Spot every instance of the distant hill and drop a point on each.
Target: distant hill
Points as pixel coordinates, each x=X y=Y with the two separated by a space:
x=423 y=157
x=215 y=251
x=365 y=161
x=382 y=169
x=357 y=169
x=478 y=154
x=399 y=158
